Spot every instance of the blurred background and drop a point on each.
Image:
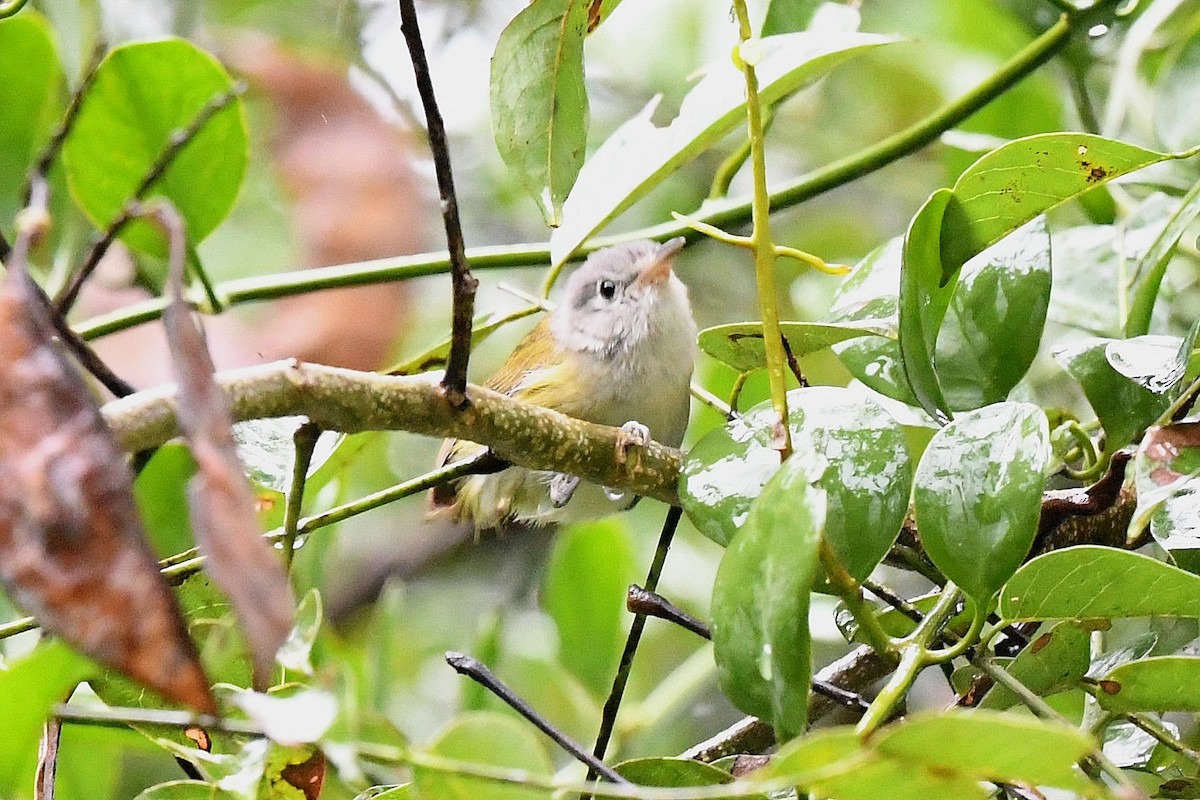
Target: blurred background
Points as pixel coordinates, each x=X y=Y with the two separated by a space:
x=340 y=173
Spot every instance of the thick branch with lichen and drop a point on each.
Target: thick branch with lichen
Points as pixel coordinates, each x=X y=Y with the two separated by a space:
x=350 y=401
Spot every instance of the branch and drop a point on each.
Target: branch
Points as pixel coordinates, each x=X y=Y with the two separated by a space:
x=464 y=283
x=350 y=401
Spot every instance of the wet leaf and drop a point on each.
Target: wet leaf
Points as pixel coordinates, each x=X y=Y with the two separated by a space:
x=539 y=100
x=993 y=327
x=1022 y=179
x=73 y=552
x=866 y=474
x=1092 y=582
x=740 y=344
x=1155 y=362
x=267 y=449
x=1167 y=476
x=1123 y=407
x=1162 y=683
x=871 y=296
x=639 y=155
x=302 y=717
x=295 y=653
x=925 y=293
x=761 y=597
x=143 y=93
x=221 y=505
x=978 y=494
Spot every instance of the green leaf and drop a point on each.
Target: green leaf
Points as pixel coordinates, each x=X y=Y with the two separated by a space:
x=638 y=156
x=539 y=101
x=740 y=344
x=29 y=688
x=267 y=449
x=994 y=324
x=1123 y=407
x=185 y=790
x=490 y=740
x=761 y=596
x=1053 y=662
x=991 y=746
x=27 y=100
x=1163 y=683
x=161 y=494
x=978 y=494
x=870 y=296
x=295 y=653
x=925 y=292
x=590 y=569
x=865 y=471
x=1022 y=179
x=789 y=16
x=1092 y=582
x=1152 y=266
x=672 y=772
x=1154 y=362
x=142 y=95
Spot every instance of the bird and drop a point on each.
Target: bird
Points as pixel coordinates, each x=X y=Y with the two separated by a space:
x=618 y=349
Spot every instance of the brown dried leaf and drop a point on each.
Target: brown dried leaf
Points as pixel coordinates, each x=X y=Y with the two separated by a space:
x=72 y=550
x=222 y=505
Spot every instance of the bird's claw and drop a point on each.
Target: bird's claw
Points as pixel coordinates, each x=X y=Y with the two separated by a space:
x=632 y=434
x=562 y=488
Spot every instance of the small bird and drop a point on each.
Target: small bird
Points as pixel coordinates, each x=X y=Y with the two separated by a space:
x=617 y=350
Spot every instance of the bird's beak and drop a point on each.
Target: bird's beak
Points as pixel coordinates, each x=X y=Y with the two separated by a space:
x=659 y=269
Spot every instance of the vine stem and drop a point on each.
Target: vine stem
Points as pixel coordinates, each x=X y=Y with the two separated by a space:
x=733 y=212
x=764 y=248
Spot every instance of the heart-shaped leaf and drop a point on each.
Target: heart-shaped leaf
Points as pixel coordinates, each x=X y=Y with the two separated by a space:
x=978 y=494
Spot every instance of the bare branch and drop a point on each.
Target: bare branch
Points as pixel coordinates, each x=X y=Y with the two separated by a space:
x=464 y=283
x=350 y=401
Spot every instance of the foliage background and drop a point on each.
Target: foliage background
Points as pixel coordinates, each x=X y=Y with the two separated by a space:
x=539 y=608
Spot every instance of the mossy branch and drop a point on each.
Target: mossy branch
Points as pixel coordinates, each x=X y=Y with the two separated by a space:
x=350 y=401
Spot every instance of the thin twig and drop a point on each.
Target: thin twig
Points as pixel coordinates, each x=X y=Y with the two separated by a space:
x=54 y=146
x=119 y=717
x=179 y=139
x=608 y=717
x=478 y=672
x=464 y=283
x=304 y=442
x=47 y=765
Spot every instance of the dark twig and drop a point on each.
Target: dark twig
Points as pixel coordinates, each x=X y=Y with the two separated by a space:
x=37 y=207
x=608 y=718
x=464 y=283
x=1059 y=506
x=651 y=604
x=54 y=146
x=793 y=363
x=179 y=140
x=47 y=765
x=476 y=671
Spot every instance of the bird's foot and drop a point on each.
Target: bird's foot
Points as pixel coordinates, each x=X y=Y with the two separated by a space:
x=562 y=488
x=633 y=434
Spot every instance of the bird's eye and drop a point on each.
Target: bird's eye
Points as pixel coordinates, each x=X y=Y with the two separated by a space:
x=608 y=289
